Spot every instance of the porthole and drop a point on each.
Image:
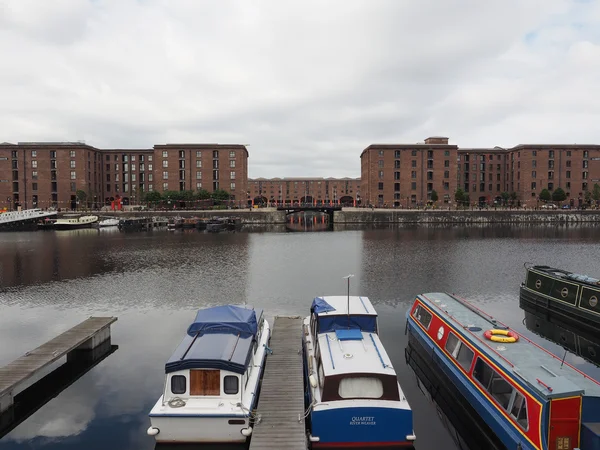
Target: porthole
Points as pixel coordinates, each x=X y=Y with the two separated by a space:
x=564 y=292
x=538 y=284
x=440 y=333
x=593 y=301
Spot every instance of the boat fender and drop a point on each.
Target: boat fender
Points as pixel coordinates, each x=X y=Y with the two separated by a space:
x=504 y=336
x=152 y=431
x=246 y=431
x=267 y=349
x=313 y=381
x=312 y=438
x=411 y=437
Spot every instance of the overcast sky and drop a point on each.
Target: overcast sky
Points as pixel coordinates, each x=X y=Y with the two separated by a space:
x=306 y=84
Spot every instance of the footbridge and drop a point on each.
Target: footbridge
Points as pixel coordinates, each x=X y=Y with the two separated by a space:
x=327 y=209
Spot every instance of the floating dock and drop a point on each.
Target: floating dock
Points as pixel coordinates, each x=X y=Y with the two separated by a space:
x=281 y=402
x=79 y=340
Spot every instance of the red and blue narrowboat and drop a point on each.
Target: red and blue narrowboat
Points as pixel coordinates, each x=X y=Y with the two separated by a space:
x=528 y=397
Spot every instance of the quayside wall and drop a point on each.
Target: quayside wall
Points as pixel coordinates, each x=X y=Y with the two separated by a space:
x=382 y=216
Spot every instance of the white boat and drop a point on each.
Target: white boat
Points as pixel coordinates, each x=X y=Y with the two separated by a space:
x=24 y=220
x=110 y=222
x=73 y=223
x=212 y=379
x=352 y=394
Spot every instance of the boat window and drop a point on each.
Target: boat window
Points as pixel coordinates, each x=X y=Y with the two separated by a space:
x=452 y=344
x=519 y=410
x=231 y=384
x=178 y=384
x=501 y=390
x=321 y=375
x=465 y=357
x=317 y=351
x=423 y=316
x=205 y=382
x=483 y=373
x=360 y=387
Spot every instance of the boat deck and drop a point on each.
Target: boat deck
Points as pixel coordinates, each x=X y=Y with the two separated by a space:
x=86 y=336
x=530 y=362
x=281 y=402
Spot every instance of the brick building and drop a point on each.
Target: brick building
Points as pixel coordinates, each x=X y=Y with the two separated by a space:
x=48 y=174
x=483 y=173
x=402 y=175
x=318 y=191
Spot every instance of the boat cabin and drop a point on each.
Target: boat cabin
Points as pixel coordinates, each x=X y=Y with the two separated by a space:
x=519 y=388
x=217 y=357
x=339 y=313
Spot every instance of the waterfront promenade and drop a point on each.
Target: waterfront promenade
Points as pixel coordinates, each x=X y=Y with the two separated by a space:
x=382 y=216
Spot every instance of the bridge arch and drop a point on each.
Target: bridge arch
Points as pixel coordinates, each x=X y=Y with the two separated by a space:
x=260 y=200
x=346 y=200
x=307 y=199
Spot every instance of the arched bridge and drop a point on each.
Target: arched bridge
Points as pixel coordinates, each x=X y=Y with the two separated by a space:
x=328 y=209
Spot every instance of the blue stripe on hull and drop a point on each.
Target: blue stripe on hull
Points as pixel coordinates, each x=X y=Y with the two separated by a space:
x=362 y=424
x=497 y=422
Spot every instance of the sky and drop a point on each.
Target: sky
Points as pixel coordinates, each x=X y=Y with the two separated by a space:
x=306 y=85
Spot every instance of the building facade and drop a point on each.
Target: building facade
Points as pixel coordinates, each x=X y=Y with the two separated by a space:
x=316 y=191
x=405 y=175
x=47 y=174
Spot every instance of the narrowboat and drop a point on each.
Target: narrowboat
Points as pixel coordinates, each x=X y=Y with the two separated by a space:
x=570 y=295
x=352 y=394
x=212 y=379
x=71 y=222
x=572 y=338
x=528 y=397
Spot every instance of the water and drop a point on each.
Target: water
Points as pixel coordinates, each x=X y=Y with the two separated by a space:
x=155 y=281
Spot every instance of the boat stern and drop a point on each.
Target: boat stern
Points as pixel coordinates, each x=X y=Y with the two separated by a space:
x=374 y=427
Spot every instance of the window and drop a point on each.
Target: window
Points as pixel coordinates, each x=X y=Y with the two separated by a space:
x=149 y=157
x=232 y=154
x=232 y=187
x=165 y=186
x=215 y=153
x=34 y=186
x=34 y=153
x=164 y=153
x=584 y=175
x=413 y=153
x=550 y=175
x=534 y=152
x=422 y=315
x=53 y=154
x=396 y=164
x=132 y=177
x=446 y=174
x=533 y=186
x=198 y=186
x=116 y=167
x=165 y=175
x=150 y=177
x=396 y=176
x=73 y=175
x=165 y=163
x=446 y=152
x=452 y=344
x=413 y=163
x=380 y=152
x=232 y=163
x=73 y=187
x=568 y=163
x=568 y=152
x=413 y=186
x=34 y=174
x=72 y=165
x=216 y=164
x=465 y=357
x=381 y=174
x=72 y=153
x=142 y=167
x=178 y=384
x=150 y=167
x=360 y=387
x=585 y=153
x=551 y=154
x=550 y=186
x=34 y=164
x=551 y=164
x=380 y=163
x=231 y=384
x=117 y=177
x=585 y=164
x=413 y=174
x=447 y=163
x=198 y=175
x=519 y=410
x=568 y=174
x=198 y=153
x=380 y=186
x=132 y=158
x=133 y=167
x=500 y=389
x=533 y=174
x=150 y=187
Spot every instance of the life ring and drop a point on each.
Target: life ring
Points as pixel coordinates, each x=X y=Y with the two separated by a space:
x=505 y=336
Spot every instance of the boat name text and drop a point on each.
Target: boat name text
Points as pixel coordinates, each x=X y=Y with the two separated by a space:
x=363 y=420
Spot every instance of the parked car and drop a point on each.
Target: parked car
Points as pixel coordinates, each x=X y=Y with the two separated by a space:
x=548 y=206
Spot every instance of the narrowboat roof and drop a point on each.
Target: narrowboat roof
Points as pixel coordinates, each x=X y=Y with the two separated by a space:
x=337 y=305
x=225 y=351
x=225 y=319
x=564 y=274
x=543 y=371
x=343 y=351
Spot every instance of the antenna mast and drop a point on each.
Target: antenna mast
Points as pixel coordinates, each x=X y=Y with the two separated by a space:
x=348 y=310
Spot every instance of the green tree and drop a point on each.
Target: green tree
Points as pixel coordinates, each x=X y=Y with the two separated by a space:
x=220 y=195
x=459 y=196
x=152 y=197
x=559 y=195
x=513 y=197
x=434 y=196
x=505 y=196
x=202 y=194
x=545 y=195
x=81 y=197
x=596 y=192
x=588 y=196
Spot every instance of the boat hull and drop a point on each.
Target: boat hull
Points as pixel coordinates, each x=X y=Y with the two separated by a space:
x=466 y=428
x=198 y=429
x=349 y=427
x=77 y=226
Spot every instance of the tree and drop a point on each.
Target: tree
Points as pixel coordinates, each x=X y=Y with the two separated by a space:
x=81 y=196
x=220 y=195
x=545 y=195
x=152 y=197
x=459 y=196
x=559 y=195
x=505 y=196
x=588 y=196
x=513 y=197
x=596 y=192
x=202 y=194
x=434 y=196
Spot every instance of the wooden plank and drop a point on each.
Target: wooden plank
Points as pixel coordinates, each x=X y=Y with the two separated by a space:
x=31 y=362
x=281 y=402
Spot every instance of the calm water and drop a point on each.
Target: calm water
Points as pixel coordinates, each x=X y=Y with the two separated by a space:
x=154 y=282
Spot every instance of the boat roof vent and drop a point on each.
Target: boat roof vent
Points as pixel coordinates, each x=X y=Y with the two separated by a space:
x=352 y=334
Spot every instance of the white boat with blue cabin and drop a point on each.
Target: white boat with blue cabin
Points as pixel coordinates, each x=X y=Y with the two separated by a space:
x=212 y=379
x=352 y=394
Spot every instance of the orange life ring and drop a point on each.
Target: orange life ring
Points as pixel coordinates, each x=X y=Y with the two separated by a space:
x=505 y=336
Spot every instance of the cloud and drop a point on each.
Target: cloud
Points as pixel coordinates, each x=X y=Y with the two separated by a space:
x=307 y=84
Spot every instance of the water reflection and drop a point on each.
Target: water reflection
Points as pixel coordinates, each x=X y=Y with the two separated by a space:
x=155 y=282
x=308 y=221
